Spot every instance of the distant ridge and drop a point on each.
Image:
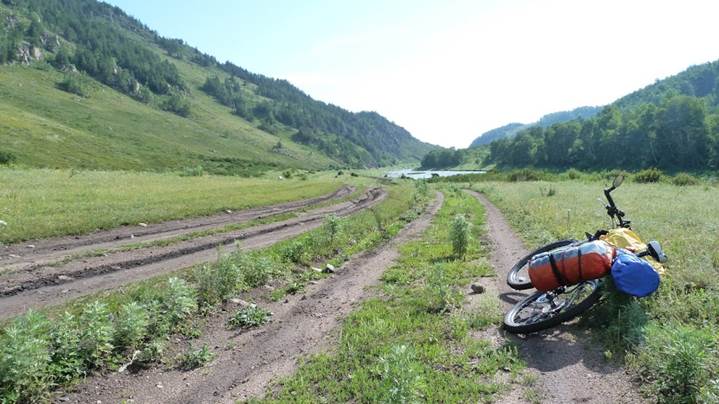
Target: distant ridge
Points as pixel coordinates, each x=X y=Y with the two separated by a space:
x=512 y=129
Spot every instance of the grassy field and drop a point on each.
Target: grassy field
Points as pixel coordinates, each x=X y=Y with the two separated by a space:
x=416 y=341
x=40 y=203
x=41 y=351
x=671 y=338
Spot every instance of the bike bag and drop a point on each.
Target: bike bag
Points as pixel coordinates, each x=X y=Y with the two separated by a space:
x=571 y=265
x=633 y=275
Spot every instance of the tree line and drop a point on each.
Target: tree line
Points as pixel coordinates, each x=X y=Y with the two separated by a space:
x=680 y=133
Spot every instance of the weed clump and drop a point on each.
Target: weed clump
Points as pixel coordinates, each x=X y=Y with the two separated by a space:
x=96 y=339
x=650 y=175
x=196 y=358
x=24 y=359
x=131 y=328
x=178 y=301
x=400 y=374
x=684 y=179
x=459 y=236
x=676 y=359
x=248 y=317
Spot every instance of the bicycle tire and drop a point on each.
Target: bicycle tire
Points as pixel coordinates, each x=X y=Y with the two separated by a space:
x=517 y=282
x=563 y=316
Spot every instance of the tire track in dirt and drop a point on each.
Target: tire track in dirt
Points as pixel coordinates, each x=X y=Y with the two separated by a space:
x=570 y=367
x=18 y=257
x=248 y=361
x=48 y=286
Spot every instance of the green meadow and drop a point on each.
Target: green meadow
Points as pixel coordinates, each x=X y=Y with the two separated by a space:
x=37 y=203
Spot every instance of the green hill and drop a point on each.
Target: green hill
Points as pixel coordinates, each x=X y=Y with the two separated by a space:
x=672 y=124
x=83 y=85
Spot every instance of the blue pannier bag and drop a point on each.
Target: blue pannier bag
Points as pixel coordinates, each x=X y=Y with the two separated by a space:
x=633 y=275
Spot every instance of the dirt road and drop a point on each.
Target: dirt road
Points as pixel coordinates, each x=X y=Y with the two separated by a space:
x=247 y=361
x=45 y=285
x=23 y=256
x=570 y=367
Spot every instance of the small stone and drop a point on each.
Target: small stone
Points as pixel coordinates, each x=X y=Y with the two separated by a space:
x=228 y=211
x=64 y=278
x=3 y=223
x=330 y=269
x=31 y=246
x=314 y=283
x=160 y=386
x=64 y=398
x=14 y=256
x=142 y=224
x=132 y=236
x=477 y=288
x=318 y=270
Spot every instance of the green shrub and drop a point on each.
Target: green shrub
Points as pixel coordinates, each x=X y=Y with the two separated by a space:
x=574 y=174
x=650 y=175
x=6 y=158
x=439 y=296
x=197 y=358
x=74 y=83
x=178 y=302
x=293 y=252
x=96 y=337
x=683 y=179
x=65 y=363
x=151 y=353
x=131 y=327
x=525 y=174
x=250 y=316
x=332 y=227
x=287 y=174
x=459 y=236
x=258 y=271
x=218 y=282
x=677 y=359
x=177 y=104
x=24 y=359
x=401 y=377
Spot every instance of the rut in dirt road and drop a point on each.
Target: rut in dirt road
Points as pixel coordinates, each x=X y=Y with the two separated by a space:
x=249 y=360
x=52 y=285
x=19 y=257
x=570 y=367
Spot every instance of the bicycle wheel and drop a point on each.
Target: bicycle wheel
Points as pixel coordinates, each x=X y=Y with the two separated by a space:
x=518 y=277
x=543 y=310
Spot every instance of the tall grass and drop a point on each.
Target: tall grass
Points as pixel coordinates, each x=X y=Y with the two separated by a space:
x=662 y=332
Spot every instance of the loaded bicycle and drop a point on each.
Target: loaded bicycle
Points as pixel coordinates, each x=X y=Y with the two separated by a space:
x=568 y=274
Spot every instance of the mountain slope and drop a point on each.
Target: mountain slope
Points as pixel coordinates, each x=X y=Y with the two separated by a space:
x=512 y=129
x=84 y=85
x=701 y=81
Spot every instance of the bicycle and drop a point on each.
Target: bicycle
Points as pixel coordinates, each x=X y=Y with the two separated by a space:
x=546 y=309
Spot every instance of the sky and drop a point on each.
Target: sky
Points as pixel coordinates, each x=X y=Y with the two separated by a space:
x=449 y=70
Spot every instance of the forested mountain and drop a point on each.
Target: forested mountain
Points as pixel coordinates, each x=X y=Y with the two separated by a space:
x=672 y=124
x=94 y=76
x=512 y=129
x=490 y=136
